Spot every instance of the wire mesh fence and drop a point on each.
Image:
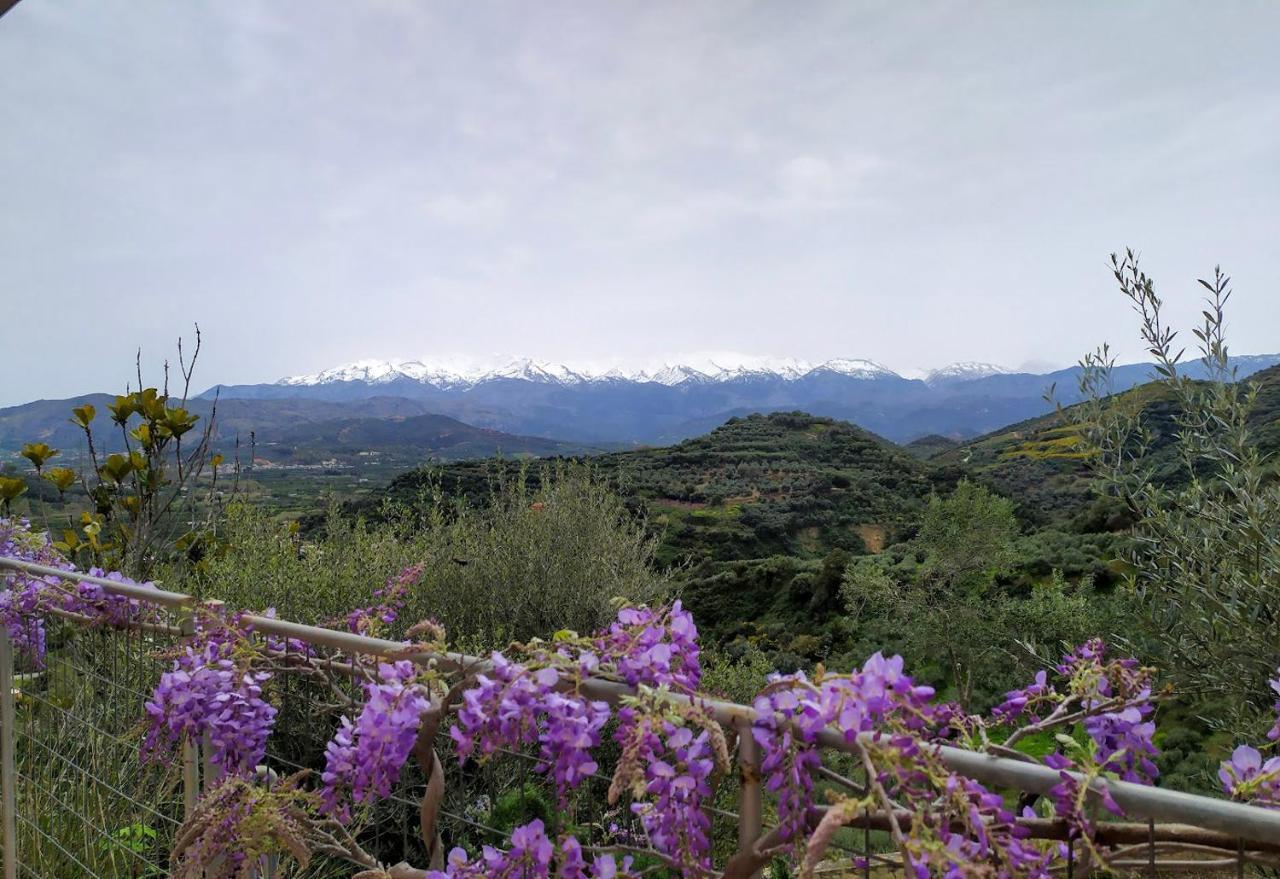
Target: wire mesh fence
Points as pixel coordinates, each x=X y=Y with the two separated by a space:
x=79 y=801
x=86 y=805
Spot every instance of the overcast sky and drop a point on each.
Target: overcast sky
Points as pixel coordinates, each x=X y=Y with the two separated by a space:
x=318 y=182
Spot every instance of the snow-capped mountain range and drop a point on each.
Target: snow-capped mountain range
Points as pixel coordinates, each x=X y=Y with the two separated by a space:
x=689 y=395
x=453 y=375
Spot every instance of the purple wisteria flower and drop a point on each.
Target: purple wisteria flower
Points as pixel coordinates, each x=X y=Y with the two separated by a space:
x=25 y=628
x=792 y=712
x=1112 y=701
x=94 y=601
x=1070 y=800
x=365 y=757
x=653 y=647
x=1247 y=777
x=1274 y=734
x=514 y=706
x=1116 y=694
x=208 y=696
x=212 y=695
x=532 y=856
x=1115 y=697
x=789 y=716
x=25 y=599
x=1027 y=701
x=572 y=865
x=1124 y=741
x=677 y=781
x=501 y=709
x=571 y=728
x=373 y=620
x=985 y=833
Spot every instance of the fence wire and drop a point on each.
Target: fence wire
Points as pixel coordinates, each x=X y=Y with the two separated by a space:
x=86 y=804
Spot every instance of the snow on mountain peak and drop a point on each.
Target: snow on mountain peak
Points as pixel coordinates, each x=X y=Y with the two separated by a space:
x=963 y=371
x=671 y=375
x=530 y=370
x=858 y=368
x=459 y=373
x=378 y=372
x=371 y=371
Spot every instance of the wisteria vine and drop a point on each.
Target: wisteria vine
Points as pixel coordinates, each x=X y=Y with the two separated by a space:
x=543 y=698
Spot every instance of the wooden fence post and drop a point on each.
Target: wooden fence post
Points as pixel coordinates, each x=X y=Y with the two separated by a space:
x=190 y=776
x=8 y=781
x=750 y=806
x=190 y=748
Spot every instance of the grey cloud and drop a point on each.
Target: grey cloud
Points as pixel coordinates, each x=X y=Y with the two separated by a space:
x=911 y=183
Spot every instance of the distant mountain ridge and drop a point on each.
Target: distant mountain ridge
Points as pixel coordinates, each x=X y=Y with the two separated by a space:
x=531 y=402
x=294 y=429
x=453 y=376
x=677 y=401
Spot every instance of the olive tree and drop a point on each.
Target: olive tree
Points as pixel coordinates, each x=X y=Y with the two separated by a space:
x=1206 y=557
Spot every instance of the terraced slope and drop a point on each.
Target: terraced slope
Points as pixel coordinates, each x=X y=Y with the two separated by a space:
x=1039 y=464
x=784 y=483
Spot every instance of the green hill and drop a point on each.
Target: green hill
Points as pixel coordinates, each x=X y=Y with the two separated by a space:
x=1038 y=463
x=778 y=484
x=1266 y=410
x=414 y=436
x=930 y=446
x=757 y=519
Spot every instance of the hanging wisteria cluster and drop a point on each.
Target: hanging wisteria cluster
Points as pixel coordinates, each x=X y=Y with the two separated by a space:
x=671 y=751
x=374 y=620
x=214 y=694
x=365 y=757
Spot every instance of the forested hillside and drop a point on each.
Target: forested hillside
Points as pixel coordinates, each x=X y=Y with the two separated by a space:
x=785 y=483
x=763 y=519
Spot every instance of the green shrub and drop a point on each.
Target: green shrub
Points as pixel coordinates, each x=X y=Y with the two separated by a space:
x=528 y=562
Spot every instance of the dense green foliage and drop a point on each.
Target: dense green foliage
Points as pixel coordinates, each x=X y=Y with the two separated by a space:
x=528 y=561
